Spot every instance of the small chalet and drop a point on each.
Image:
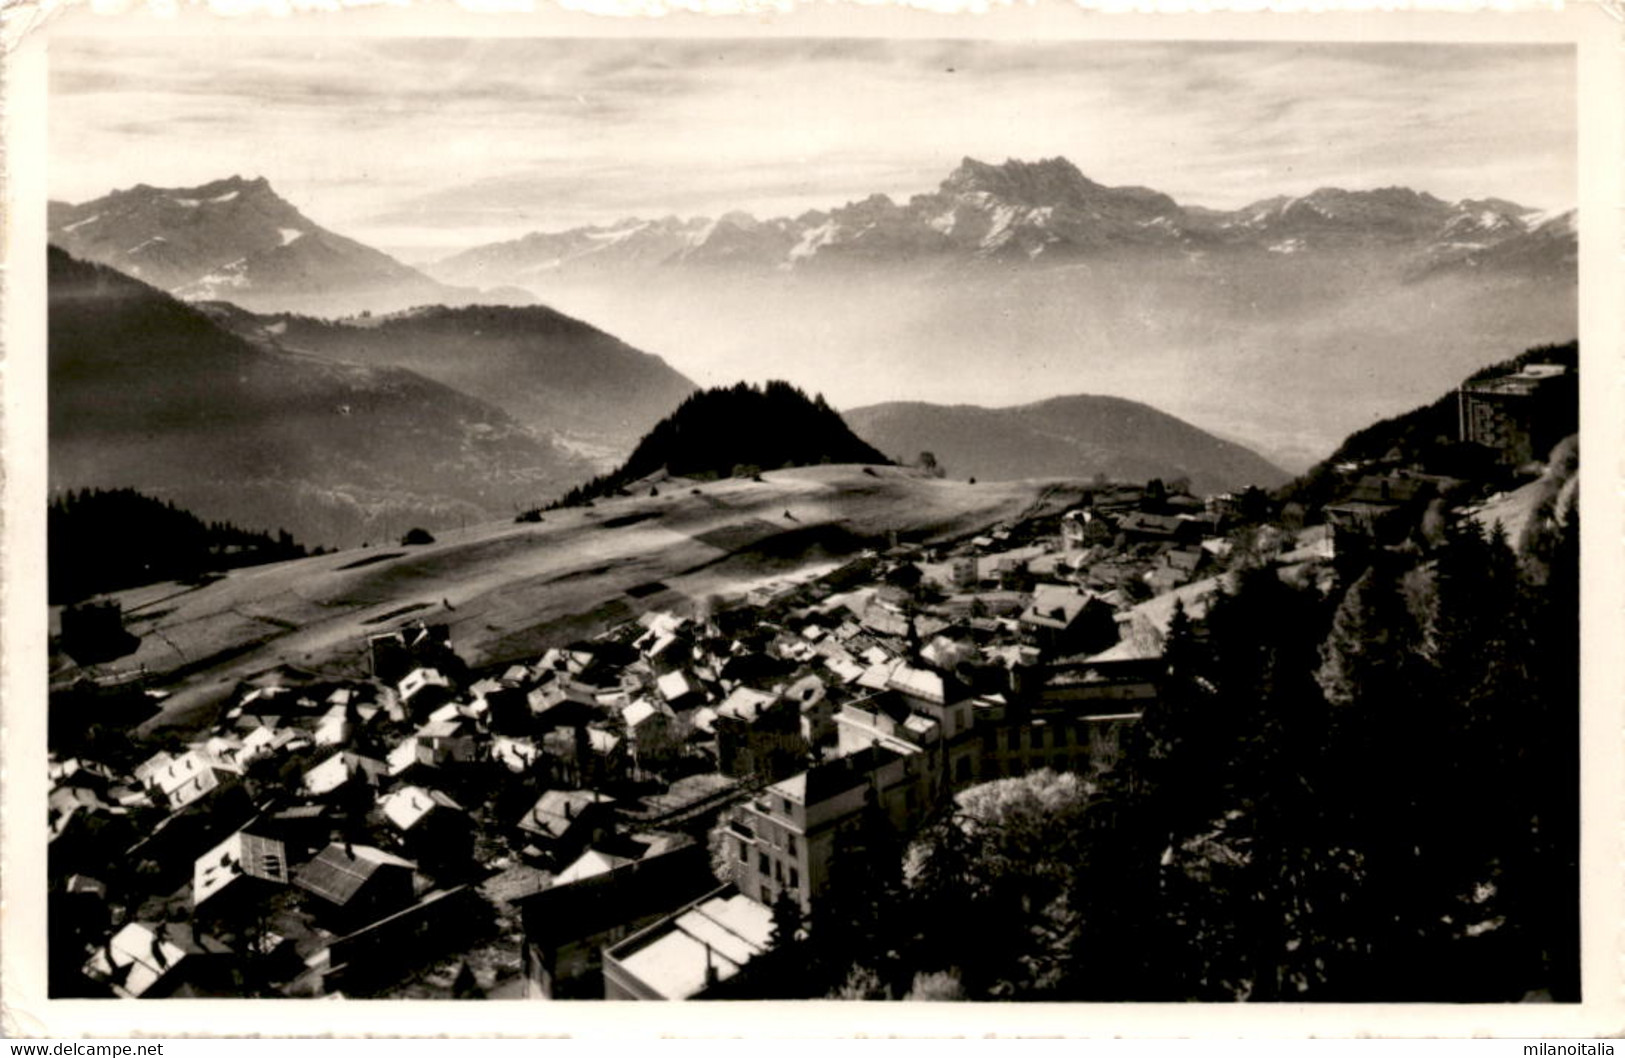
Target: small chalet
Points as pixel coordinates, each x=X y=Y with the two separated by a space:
x=666 y=644
x=608 y=755
x=449 y=741
x=332 y=728
x=265 y=741
x=680 y=690
x=1141 y=527
x=343 y=769
x=753 y=669
x=424 y=690
x=1175 y=567
x=430 y=826
x=504 y=703
x=356 y=884
x=164 y=960
x=591 y=864
x=518 y=755
x=238 y=872
x=758 y=734
x=563 y=822
x=843 y=667
x=811 y=696
x=1066 y=620
x=653 y=731
x=190 y=778
x=560 y=703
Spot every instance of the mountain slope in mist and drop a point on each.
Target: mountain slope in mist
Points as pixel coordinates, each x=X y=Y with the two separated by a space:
x=1076 y=437
x=554 y=374
x=150 y=393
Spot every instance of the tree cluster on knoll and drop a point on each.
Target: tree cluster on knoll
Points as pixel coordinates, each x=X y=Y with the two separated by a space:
x=1365 y=795
x=737 y=430
x=106 y=540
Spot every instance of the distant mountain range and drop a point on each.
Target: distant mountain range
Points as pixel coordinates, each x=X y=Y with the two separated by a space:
x=1039 y=213
x=1289 y=323
x=147 y=392
x=556 y=375
x=1074 y=437
x=236 y=239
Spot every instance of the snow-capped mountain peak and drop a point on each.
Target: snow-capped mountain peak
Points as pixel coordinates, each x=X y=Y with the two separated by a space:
x=1045 y=212
x=238 y=238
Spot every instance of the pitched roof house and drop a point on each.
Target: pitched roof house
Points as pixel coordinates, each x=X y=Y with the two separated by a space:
x=357 y=881
x=163 y=959
x=243 y=864
x=563 y=822
x=680 y=690
x=190 y=778
x=409 y=806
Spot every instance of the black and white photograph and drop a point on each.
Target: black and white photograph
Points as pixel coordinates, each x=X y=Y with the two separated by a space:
x=713 y=516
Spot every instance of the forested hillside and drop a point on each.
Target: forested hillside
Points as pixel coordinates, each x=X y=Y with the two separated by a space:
x=103 y=540
x=558 y=376
x=148 y=393
x=736 y=430
x=1426 y=437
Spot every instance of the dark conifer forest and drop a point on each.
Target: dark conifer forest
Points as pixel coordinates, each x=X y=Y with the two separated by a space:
x=103 y=540
x=736 y=430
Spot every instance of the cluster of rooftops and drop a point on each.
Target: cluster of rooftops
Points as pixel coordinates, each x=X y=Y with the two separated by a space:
x=313 y=810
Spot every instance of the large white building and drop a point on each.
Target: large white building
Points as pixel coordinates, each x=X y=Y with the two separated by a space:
x=786 y=838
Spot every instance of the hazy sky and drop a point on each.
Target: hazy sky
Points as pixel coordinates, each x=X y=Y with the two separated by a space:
x=418 y=145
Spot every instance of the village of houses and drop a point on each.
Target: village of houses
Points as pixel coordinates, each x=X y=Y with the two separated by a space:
x=617 y=818
x=550 y=830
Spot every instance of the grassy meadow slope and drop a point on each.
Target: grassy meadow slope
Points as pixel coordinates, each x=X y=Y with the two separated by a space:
x=516 y=589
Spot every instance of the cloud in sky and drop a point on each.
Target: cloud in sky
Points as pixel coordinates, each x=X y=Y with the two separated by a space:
x=450 y=142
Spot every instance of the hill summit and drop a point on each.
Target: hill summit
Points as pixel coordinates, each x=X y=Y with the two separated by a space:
x=734 y=430
x=1074 y=436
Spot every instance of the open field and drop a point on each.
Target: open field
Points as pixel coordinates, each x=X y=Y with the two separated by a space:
x=510 y=591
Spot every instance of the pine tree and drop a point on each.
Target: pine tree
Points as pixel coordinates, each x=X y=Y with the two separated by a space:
x=1368 y=656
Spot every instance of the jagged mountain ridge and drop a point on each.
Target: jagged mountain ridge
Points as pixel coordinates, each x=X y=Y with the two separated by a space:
x=237 y=239
x=554 y=374
x=1075 y=436
x=148 y=392
x=1042 y=212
